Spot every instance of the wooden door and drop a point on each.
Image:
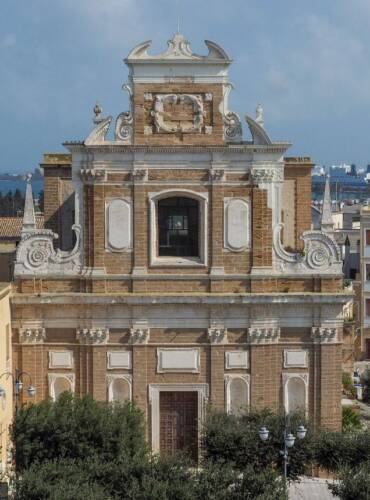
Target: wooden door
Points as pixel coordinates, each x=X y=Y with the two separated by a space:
x=178 y=423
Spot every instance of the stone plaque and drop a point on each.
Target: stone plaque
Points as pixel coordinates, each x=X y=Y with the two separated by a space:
x=293 y=359
x=178 y=360
x=236 y=360
x=60 y=359
x=118 y=225
x=118 y=359
x=237 y=224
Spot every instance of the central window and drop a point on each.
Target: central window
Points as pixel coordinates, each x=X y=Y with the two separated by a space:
x=178 y=227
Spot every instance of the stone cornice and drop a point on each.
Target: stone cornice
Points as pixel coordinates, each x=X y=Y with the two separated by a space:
x=92 y=336
x=178 y=298
x=115 y=147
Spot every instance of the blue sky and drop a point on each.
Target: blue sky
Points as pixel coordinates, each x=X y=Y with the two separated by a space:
x=307 y=62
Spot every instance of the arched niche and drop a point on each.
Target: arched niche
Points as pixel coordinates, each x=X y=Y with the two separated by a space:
x=237 y=394
x=59 y=383
x=296 y=393
x=119 y=388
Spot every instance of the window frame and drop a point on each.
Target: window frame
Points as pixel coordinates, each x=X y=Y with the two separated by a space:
x=166 y=261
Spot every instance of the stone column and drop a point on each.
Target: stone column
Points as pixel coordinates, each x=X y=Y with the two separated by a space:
x=140 y=241
x=217 y=224
x=33 y=362
x=328 y=397
x=95 y=341
x=217 y=338
x=265 y=366
x=139 y=338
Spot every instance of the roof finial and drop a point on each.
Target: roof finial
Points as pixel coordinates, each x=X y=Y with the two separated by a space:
x=327 y=224
x=29 y=219
x=97 y=112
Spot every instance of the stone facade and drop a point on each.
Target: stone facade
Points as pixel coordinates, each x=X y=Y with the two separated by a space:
x=248 y=316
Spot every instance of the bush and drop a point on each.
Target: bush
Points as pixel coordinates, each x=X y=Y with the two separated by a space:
x=235 y=441
x=351 y=421
x=75 y=429
x=334 y=451
x=353 y=483
x=157 y=479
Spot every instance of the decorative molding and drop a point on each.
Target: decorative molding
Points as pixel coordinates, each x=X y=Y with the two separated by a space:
x=148 y=130
x=294 y=358
x=267 y=175
x=36 y=255
x=93 y=336
x=140 y=175
x=259 y=134
x=208 y=130
x=178 y=360
x=208 y=97
x=61 y=359
x=32 y=335
x=92 y=174
x=112 y=378
x=118 y=225
x=321 y=254
x=237 y=224
x=236 y=360
x=124 y=128
x=261 y=335
x=98 y=134
x=324 y=335
x=148 y=97
x=164 y=126
x=216 y=175
x=232 y=127
x=217 y=335
x=119 y=360
x=139 y=336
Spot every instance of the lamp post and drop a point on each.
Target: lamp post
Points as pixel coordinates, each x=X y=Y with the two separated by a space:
x=289 y=440
x=18 y=386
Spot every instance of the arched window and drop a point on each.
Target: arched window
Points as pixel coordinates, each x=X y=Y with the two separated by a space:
x=178 y=227
x=119 y=388
x=237 y=394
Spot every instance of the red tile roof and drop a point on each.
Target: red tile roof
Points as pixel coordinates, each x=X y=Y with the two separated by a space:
x=11 y=227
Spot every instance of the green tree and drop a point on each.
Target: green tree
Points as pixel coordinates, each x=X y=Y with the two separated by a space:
x=77 y=428
x=235 y=440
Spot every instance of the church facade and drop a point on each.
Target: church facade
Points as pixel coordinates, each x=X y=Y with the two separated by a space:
x=191 y=275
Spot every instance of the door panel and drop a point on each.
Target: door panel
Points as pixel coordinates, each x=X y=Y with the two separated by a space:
x=178 y=422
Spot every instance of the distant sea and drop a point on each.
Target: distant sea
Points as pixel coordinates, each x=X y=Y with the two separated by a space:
x=12 y=185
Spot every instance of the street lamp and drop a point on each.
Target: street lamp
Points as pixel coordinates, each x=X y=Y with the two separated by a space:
x=289 y=440
x=18 y=386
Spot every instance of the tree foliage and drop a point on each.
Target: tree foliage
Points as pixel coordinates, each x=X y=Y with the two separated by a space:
x=334 y=450
x=75 y=429
x=235 y=440
x=351 y=420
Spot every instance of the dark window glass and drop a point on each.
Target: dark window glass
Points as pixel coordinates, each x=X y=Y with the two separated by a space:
x=178 y=227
